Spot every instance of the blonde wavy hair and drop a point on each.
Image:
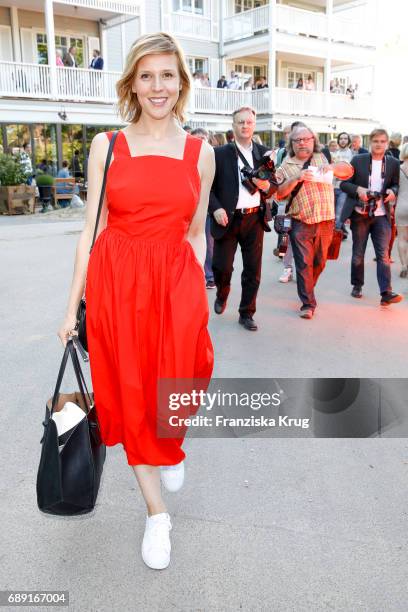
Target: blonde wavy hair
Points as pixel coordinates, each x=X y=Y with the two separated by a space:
x=151 y=44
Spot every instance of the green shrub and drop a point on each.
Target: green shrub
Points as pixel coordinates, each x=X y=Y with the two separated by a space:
x=43 y=180
x=12 y=171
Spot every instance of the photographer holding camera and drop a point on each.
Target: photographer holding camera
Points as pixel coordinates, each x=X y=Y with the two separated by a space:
x=310 y=211
x=371 y=196
x=244 y=180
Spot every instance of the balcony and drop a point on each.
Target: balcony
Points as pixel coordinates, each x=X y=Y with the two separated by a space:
x=291 y=102
x=33 y=81
x=123 y=7
x=18 y=80
x=296 y=21
x=192 y=26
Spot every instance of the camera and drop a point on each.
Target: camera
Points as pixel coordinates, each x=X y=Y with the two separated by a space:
x=265 y=172
x=283 y=225
x=373 y=198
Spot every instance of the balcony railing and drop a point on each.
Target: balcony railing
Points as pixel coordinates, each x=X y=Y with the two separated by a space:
x=296 y=21
x=321 y=104
x=194 y=26
x=19 y=80
x=246 y=24
x=287 y=101
x=122 y=7
x=76 y=84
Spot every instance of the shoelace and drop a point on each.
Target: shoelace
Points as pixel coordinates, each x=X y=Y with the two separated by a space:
x=160 y=531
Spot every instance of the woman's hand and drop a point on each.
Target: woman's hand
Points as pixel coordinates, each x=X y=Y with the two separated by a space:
x=67 y=329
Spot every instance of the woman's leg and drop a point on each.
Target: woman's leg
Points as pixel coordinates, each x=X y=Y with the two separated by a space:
x=148 y=477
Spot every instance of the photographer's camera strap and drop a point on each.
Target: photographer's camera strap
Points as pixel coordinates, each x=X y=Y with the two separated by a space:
x=298 y=186
x=242 y=157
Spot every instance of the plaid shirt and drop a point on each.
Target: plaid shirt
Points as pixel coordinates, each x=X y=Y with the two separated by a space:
x=315 y=201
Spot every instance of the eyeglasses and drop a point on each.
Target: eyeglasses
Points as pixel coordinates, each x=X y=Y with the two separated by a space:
x=299 y=140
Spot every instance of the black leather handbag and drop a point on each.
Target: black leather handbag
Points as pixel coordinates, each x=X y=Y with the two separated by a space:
x=80 y=326
x=69 y=474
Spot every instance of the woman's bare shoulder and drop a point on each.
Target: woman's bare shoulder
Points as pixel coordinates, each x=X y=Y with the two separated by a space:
x=99 y=148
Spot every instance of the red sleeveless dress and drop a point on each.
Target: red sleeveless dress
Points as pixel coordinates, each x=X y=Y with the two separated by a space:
x=146 y=302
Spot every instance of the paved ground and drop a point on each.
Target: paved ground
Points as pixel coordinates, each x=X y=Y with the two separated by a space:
x=275 y=525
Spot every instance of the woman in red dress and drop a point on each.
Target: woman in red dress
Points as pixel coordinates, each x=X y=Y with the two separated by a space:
x=147 y=309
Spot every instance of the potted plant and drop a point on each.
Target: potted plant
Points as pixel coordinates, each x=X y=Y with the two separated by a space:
x=44 y=184
x=15 y=195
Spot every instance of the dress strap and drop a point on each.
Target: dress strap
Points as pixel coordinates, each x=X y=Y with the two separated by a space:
x=121 y=145
x=192 y=149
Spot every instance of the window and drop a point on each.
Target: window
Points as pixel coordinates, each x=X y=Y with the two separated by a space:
x=246 y=71
x=295 y=75
x=197 y=64
x=247 y=5
x=189 y=6
x=45 y=146
x=63 y=43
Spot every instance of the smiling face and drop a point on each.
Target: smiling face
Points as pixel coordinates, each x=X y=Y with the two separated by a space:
x=157 y=84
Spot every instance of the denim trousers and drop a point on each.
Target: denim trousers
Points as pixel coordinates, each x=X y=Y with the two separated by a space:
x=380 y=230
x=209 y=275
x=339 y=200
x=310 y=243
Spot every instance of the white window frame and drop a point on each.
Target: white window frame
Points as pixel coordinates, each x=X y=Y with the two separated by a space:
x=245 y=64
x=250 y=3
x=193 y=10
x=304 y=73
x=194 y=58
x=68 y=34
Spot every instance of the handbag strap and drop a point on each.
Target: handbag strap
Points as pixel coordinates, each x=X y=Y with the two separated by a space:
x=78 y=370
x=298 y=186
x=69 y=351
x=102 y=194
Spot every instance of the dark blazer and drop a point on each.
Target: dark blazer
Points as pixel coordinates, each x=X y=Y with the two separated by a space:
x=362 y=150
x=97 y=63
x=225 y=188
x=361 y=165
x=68 y=61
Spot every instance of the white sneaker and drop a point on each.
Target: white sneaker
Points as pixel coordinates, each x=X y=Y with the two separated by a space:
x=286 y=276
x=172 y=476
x=156 y=544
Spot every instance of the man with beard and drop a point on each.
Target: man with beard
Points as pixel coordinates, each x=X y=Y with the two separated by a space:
x=311 y=208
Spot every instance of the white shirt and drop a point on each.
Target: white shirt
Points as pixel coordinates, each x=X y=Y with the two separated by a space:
x=245 y=199
x=376 y=184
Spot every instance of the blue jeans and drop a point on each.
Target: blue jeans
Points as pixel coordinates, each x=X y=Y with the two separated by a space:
x=209 y=275
x=339 y=200
x=380 y=230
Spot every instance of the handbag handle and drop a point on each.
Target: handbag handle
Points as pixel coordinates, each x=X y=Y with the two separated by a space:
x=102 y=194
x=69 y=350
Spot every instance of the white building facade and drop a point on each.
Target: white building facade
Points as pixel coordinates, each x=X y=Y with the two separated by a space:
x=59 y=109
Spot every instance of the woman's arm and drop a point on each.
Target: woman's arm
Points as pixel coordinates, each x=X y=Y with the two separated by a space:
x=196 y=232
x=96 y=164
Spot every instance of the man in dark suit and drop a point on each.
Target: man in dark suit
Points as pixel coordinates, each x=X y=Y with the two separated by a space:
x=237 y=217
x=97 y=61
x=69 y=59
x=356 y=145
x=378 y=172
